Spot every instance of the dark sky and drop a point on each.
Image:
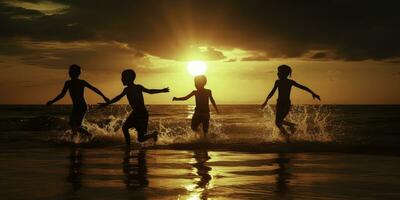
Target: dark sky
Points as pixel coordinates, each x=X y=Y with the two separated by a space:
x=348 y=30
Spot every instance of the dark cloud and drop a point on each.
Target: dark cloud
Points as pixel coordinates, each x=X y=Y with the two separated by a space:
x=212 y=54
x=11 y=47
x=256 y=58
x=395 y=61
x=201 y=53
x=17 y=13
x=350 y=30
x=319 y=55
x=58 y=55
x=231 y=60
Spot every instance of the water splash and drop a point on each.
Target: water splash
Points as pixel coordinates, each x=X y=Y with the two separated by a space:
x=104 y=130
x=312 y=124
x=254 y=127
x=172 y=131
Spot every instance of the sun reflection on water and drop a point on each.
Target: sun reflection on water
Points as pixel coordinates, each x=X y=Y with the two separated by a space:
x=198 y=189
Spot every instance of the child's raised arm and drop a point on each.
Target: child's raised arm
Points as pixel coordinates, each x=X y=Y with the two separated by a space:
x=213 y=103
x=115 y=99
x=155 y=91
x=183 y=98
x=94 y=89
x=61 y=95
x=270 y=94
x=315 y=96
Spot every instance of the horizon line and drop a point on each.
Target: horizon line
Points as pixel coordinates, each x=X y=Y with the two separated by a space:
x=157 y=104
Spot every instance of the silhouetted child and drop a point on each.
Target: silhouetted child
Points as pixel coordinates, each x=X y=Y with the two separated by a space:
x=202 y=111
x=76 y=87
x=139 y=117
x=284 y=86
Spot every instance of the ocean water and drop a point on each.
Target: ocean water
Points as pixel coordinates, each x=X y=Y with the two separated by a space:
x=336 y=152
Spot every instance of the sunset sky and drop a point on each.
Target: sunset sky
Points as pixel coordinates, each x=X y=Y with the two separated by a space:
x=346 y=51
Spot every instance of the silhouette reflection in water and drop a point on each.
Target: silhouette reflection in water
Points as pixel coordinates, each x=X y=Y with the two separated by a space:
x=75 y=168
x=283 y=176
x=199 y=190
x=135 y=169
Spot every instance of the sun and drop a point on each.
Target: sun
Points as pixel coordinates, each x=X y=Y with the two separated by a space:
x=197 y=67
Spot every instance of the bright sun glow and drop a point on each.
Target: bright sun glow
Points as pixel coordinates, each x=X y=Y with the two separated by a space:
x=197 y=68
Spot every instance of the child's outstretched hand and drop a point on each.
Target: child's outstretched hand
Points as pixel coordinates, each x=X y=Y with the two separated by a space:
x=165 y=89
x=316 y=96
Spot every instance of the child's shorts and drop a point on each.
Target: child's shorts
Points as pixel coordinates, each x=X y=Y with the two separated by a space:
x=77 y=115
x=200 y=118
x=282 y=109
x=138 y=121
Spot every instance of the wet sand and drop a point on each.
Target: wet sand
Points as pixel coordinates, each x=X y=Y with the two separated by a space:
x=113 y=173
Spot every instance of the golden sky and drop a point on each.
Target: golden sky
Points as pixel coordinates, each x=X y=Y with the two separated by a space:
x=347 y=56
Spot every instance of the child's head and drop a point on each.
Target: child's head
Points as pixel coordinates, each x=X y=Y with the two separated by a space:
x=128 y=76
x=74 y=71
x=284 y=71
x=200 y=81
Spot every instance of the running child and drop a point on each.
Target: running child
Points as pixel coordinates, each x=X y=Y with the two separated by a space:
x=284 y=86
x=202 y=111
x=76 y=87
x=139 y=117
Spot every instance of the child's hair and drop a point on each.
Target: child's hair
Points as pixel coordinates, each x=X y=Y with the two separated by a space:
x=200 y=80
x=74 y=71
x=129 y=75
x=285 y=70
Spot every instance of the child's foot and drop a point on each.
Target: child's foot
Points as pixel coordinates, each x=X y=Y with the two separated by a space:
x=84 y=133
x=87 y=136
x=292 y=128
x=287 y=139
x=155 y=136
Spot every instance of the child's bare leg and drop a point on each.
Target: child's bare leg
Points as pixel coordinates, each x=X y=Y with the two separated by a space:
x=195 y=122
x=84 y=132
x=195 y=129
x=206 y=125
x=125 y=130
x=287 y=123
x=141 y=127
x=155 y=136
x=74 y=129
x=283 y=130
x=291 y=125
x=143 y=136
x=194 y=126
x=279 y=123
x=284 y=133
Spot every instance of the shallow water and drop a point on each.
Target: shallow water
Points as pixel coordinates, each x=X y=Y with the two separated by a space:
x=325 y=128
x=337 y=152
